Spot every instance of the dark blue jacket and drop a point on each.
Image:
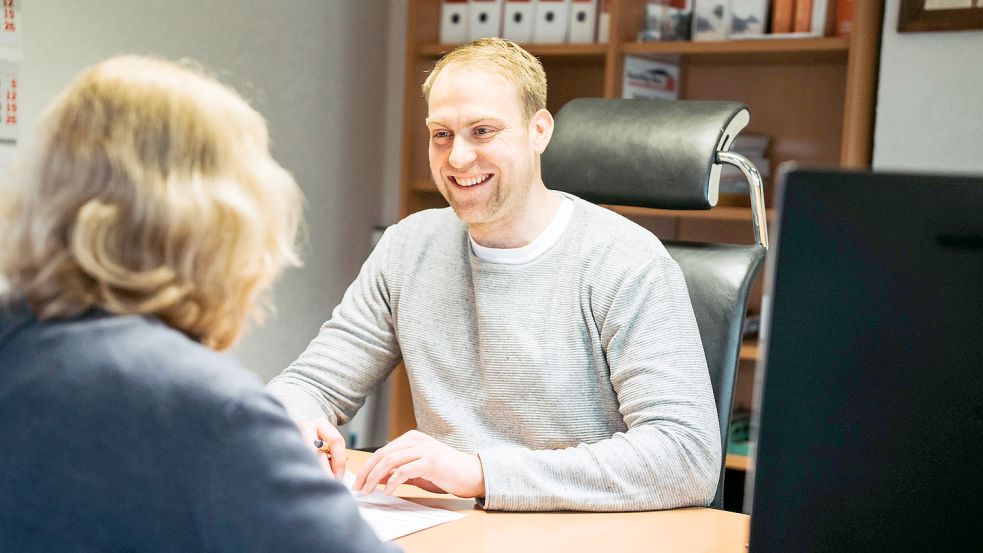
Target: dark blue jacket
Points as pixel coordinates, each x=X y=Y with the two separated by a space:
x=118 y=433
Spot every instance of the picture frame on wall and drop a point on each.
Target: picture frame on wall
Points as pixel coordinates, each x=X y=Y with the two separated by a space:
x=940 y=15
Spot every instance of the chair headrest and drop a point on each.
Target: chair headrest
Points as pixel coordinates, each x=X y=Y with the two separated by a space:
x=651 y=153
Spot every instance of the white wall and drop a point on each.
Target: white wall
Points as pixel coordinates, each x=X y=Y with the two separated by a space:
x=321 y=72
x=929 y=100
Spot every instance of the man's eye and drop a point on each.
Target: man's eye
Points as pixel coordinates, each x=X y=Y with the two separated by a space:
x=482 y=131
x=440 y=135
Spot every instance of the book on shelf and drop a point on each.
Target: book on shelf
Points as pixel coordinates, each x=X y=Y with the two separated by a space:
x=651 y=30
x=803 y=18
x=823 y=17
x=843 y=20
x=748 y=18
x=650 y=79
x=751 y=19
x=604 y=21
x=711 y=20
x=453 y=21
x=782 y=13
x=666 y=20
x=739 y=433
x=733 y=183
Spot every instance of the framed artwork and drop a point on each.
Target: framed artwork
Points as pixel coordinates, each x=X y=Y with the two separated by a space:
x=940 y=15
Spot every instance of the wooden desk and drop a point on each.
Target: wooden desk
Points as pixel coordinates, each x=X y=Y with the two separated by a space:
x=683 y=530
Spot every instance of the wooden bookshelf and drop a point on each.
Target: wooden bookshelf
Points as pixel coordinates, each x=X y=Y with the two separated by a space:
x=813 y=96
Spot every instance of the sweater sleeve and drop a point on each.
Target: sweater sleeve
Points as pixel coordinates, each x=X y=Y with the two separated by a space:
x=669 y=456
x=262 y=490
x=353 y=352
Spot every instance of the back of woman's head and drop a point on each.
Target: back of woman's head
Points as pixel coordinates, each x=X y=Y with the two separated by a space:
x=148 y=188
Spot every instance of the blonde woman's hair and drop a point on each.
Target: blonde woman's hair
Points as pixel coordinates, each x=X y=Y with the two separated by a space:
x=502 y=56
x=148 y=188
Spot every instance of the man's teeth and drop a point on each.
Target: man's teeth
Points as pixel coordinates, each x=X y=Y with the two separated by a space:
x=471 y=181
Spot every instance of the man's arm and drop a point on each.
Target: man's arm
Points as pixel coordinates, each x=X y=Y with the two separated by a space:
x=670 y=454
x=353 y=352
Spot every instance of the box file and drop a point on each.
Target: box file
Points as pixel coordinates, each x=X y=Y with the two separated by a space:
x=453 y=21
x=518 y=20
x=551 y=21
x=583 y=21
x=484 y=18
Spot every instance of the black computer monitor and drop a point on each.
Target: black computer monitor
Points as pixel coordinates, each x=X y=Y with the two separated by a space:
x=869 y=420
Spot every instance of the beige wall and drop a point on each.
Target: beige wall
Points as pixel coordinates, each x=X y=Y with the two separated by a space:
x=930 y=100
x=321 y=71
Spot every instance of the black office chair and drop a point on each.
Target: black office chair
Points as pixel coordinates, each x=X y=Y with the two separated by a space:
x=668 y=155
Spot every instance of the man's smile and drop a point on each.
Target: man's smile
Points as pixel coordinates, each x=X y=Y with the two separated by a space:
x=470 y=180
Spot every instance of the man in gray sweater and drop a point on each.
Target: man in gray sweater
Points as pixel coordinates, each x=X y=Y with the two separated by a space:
x=550 y=344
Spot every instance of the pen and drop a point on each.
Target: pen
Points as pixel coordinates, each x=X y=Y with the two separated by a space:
x=323 y=446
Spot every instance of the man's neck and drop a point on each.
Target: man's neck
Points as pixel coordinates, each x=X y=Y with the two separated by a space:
x=540 y=208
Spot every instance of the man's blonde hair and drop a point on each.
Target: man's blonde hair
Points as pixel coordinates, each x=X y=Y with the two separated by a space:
x=505 y=57
x=148 y=188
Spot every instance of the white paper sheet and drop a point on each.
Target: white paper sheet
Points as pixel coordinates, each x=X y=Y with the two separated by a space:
x=391 y=517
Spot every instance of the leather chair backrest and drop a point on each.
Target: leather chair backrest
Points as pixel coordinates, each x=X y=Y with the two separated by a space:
x=719 y=278
x=648 y=153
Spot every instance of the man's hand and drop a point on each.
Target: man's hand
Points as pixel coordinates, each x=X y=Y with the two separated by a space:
x=417 y=459
x=334 y=460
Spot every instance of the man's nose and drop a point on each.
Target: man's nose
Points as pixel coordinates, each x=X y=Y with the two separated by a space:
x=462 y=153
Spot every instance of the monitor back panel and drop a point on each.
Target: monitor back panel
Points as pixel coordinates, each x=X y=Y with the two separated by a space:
x=870 y=427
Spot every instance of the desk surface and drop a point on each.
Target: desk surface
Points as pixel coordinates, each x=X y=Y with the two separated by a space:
x=684 y=530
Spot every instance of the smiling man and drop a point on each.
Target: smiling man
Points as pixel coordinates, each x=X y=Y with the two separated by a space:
x=551 y=348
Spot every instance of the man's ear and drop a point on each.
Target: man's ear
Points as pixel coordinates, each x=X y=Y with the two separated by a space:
x=541 y=130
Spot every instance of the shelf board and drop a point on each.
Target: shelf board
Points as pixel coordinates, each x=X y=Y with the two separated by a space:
x=543 y=50
x=762 y=50
x=719 y=213
x=737 y=462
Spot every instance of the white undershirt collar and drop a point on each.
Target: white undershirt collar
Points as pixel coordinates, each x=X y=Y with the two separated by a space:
x=546 y=239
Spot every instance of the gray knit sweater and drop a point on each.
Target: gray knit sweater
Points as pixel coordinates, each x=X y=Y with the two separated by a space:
x=578 y=378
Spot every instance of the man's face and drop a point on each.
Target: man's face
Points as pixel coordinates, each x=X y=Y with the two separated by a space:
x=484 y=154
